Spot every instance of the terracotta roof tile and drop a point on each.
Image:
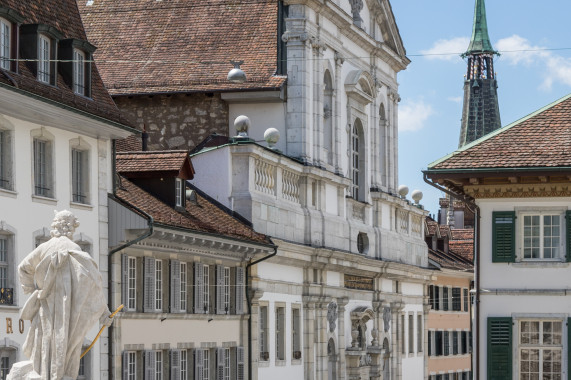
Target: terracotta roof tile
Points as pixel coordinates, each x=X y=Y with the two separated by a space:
x=148 y=46
x=450 y=260
x=204 y=216
x=462 y=243
x=151 y=161
x=542 y=139
x=64 y=16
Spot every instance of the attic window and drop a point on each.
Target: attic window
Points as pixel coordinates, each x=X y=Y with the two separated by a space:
x=75 y=66
x=78 y=72
x=44 y=44
x=5 y=43
x=179 y=192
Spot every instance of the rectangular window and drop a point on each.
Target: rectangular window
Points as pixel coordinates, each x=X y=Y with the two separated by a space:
x=3 y=262
x=454 y=342
x=456 y=299
x=436 y=298
x=178 y=192
x=206 y=288
x=445 y=300
x=79 y=176
x=131 y=365
x=540 y=349
x=296 y=333
x=158 y=365
x=402 y=332
x=5 y=39
x=264 y=352
x=438 y=344
x=227 y=289
x=411 y=333
x=183 y=364
x=183 y=285
x=78 y=72
x=541 y=236
x=226 y=364
x=205 y=364
x=419 y=333
x=464 y=343
x=280 y=333
x=158 y=285
x=466 y=299
x=5 y=160
x=44 y=59
x=42 y=168
x=446 y=341
x=132 y=283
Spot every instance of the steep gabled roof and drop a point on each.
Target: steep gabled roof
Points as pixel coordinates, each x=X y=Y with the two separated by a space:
x=204 y=216
x=539 y=140
x=149 y=46
x=64 y=16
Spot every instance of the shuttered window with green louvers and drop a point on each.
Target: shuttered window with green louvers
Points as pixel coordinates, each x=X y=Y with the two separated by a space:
x=503 y=237
x=499 y=348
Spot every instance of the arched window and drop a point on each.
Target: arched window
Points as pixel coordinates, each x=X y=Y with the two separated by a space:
x=357 y=161
x=383 y=151
x=328 y=116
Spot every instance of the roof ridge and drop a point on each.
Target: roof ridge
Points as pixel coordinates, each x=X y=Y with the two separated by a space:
x=500 y=130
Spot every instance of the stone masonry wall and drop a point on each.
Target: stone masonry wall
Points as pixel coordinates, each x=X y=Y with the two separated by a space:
x=176 y=121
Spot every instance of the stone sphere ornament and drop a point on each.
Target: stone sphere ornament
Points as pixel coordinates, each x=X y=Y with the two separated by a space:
x=403 y=190
x=416 y=196
x=242 y=123
x=272 y=136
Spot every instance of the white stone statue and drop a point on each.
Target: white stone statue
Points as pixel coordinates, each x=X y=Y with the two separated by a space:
x=66 y=300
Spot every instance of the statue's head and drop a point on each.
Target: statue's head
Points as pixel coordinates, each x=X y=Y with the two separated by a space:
x=64 y=224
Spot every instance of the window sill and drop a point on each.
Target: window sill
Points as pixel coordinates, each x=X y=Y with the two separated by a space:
x=296 y=362
x=8 y=193
x=541 y=264
x=263 y=364
x=45 y=200
x=83 y=206
x=127 y=314
x=280 y=363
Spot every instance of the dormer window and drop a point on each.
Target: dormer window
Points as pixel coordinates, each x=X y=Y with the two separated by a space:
x=44 y=45
x=78 y=72
x=5 y=43
x=179 y=192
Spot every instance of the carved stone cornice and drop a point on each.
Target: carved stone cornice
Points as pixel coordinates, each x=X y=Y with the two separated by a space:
x=397 y=307
x=518 y=191
x=291 y=37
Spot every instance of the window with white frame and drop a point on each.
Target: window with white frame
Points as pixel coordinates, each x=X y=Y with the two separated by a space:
x=222 y=364
x=131 y=283
x=158 y=285
x=206 y=286
x=411 y=333
x=80 y=175
x=357 y=158
x=205 y=364
x=542 y=235
x=183 y=364
x=78 y=72
x=5 y=43
x=6 y=159
x=4 y=262
x=6 y=270
x=5 y=365
x=456 y=299
x=183 y=285
x=158 y=365
x=296 y=333
x=419 y=333
x=179 y=192
x=445 y=300
x=466 y=299
x=222 y=289
x=130 y=365
x=43 y=177
x=540 y=349
x=280 y=333
x=153 y=285
x=201 y=288
x=263 y=339
x=44 y=46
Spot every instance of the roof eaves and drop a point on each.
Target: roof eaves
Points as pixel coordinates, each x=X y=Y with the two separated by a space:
x=498 y=131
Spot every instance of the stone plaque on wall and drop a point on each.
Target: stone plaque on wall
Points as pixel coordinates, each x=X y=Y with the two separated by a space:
x=359 y=282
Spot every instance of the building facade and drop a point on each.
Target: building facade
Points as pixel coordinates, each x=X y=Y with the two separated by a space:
x=518 y=177
x=57 y=123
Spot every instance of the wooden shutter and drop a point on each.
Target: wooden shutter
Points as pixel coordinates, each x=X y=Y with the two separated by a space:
x=503 y=236
x=175 y=286
x=568 y=338
x=125 y=364
x=175 y=364
x=220 y=289
x=239 y=290
x=199 y=288
x=149 y=284
x=149 y=365
x=499 y=348
x=430 y=343
x=220 y=361
x=198 y=363
x=568 y=240
x=240 y=363
x=125 y=280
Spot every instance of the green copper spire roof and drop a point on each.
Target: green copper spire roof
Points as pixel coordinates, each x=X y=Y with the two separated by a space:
x=480 y=41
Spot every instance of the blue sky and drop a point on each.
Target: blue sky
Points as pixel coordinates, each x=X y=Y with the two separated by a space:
x=431 y=86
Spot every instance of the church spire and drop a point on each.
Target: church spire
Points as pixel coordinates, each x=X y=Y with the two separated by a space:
x=480 y=41
x=481 y=112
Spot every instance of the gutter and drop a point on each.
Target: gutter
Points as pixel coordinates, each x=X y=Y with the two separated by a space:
x=475 y=333
x=500 y=170
x=249 y=302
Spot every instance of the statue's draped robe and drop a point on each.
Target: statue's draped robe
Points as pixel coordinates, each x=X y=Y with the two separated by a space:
x=67 y=300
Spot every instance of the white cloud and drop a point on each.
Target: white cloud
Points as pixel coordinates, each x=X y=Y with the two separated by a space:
x=447 y=50
x=516 y=50
x=413 y=114
x=456 y=99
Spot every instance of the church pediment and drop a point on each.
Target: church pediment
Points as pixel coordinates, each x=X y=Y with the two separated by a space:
x=385 y=19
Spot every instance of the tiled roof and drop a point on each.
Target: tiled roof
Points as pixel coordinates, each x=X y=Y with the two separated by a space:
x=129 y=163
x=130 y=144
x=450 y=260
x=149 y=46
x=64 y=16
x=432 y=226
x=540 y=140
x=204 y=216
x=462 y=243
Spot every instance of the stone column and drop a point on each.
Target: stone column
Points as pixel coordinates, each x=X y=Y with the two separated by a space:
x=337 y=131
x=256 y=295
x=396 y=348
x=309 y=337
x=321 y=340
x=318 y=154
x=341 y=365
x=394 y=98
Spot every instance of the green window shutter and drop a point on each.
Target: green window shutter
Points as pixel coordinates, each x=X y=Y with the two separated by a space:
x=499 y=348
x=568 y=235
x=503 y=237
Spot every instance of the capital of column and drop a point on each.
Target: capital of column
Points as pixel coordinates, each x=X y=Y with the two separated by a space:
x=397 y=307
x=338 y=58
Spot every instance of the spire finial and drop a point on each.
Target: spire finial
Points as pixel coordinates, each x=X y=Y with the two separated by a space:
x=480 y=41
